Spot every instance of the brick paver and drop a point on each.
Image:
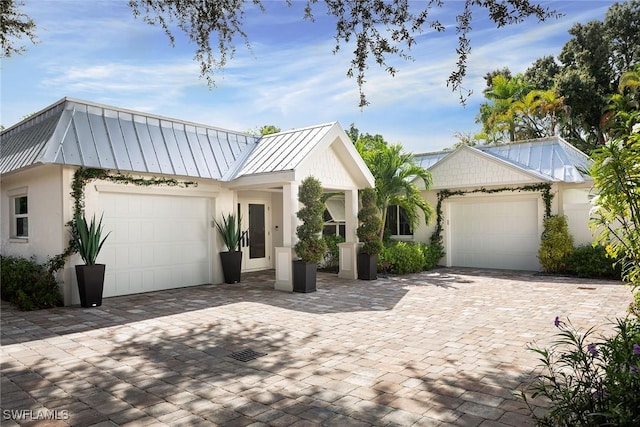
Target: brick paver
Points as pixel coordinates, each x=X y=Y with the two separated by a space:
x=445 y=347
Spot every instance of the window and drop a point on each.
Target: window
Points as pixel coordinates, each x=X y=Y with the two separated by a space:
x=397 y=223
x=20 y=217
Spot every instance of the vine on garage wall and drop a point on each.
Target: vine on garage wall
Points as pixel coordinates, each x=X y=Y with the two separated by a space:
x=84 y=176
x=544 y=188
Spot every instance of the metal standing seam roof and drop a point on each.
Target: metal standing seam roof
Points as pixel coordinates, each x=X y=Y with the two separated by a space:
x=426 y=160
x=550 y=157
x=80 y=133
x=284 y=151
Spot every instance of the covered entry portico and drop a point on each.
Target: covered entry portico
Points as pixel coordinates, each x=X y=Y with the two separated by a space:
x=277 y=166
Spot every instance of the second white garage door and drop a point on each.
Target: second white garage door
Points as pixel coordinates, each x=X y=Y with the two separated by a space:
x=495 y=233
x=157 y=242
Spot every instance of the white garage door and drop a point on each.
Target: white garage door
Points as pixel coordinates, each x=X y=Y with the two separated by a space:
x=156 y=242
x=494 y=233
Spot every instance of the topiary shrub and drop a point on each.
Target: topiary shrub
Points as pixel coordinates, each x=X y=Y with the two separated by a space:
x=28 y=285
x=369 y=229
x=593 y=262
x=402 y=258
x=311 y=246
x=556 y=244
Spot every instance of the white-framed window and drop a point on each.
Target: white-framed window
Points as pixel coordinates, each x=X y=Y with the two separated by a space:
x=397 y=222
x=20 y=216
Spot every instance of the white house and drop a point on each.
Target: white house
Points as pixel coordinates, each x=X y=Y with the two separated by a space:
x=491 y=211
x=493 y=217
x=163 y=236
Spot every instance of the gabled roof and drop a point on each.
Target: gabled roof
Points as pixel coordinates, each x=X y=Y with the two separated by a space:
x=81 y=133
x=283 y=151
x=324 y=151
x=552 y=159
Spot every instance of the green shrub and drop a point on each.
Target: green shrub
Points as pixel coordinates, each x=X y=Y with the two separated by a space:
x=432 y=254
x=556 y=244
x=310 y=246
x=27 y=284
x=370 y=223
x=592 y=262
x=589 y=381
x=403 y=258
x=331 y=261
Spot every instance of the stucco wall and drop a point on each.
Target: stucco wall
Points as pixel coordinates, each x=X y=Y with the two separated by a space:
x=576 y=207
x=44 y=190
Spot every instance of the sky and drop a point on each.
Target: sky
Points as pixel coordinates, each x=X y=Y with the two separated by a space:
x=97 y=51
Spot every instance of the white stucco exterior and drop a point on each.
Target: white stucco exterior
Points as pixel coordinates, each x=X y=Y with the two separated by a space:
x=511 y=215
x=164 y=236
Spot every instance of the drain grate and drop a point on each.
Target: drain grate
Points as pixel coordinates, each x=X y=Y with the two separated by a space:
x=246 y=355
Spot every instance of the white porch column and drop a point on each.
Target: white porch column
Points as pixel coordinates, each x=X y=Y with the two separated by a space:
x=284 y=254
x=349 y=250
x=348 y=266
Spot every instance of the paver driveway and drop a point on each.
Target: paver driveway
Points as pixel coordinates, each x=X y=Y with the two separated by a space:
x=446 y=347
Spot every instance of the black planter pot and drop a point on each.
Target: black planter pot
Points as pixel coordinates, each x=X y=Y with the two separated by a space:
x=231 y=266
x=304 y=276
x=90 y=284
x=367 y=267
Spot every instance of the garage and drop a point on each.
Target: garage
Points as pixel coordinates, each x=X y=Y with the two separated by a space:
x=491 y=232
x=157 y=242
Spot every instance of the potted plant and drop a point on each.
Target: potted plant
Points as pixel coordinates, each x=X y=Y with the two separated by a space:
x=88 y=241
x=369 y=234
x=311 y=246
x=231 y=259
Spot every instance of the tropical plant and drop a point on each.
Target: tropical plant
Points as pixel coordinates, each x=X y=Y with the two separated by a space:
x=616 y=212
x=370 y=223
x=311 y=246
x=556 y=244
x=88 y=239
x=589 y=381
x=395 y=173
x=230 y=231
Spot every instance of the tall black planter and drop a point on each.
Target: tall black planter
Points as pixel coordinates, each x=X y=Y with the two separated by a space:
x=367 y=267
x=304 y=276
x=231 y=266
x=90 y=284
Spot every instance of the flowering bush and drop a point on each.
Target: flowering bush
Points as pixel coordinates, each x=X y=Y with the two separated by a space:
x=589 y=381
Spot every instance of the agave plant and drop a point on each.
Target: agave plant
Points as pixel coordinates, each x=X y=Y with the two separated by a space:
x=88 y=238
x=230 y=231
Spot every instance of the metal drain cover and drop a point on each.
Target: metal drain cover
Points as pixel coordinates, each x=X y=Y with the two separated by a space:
x=246 y=355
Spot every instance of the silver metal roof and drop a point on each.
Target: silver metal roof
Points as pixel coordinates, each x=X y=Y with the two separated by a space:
x=552 y=158
x=80 y=133
x=426 y=160
x=284 y=151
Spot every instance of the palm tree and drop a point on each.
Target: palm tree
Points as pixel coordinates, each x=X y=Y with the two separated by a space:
x=395 y=171
x=536 y=114
x=498 y=115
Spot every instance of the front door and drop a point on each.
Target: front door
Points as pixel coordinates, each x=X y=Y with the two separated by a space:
x=256 y=238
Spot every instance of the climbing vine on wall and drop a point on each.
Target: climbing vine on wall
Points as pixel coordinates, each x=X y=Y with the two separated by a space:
x=84 y=176
x=543 y=188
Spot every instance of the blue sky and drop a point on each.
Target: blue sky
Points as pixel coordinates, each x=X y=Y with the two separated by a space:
x=96 y=50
